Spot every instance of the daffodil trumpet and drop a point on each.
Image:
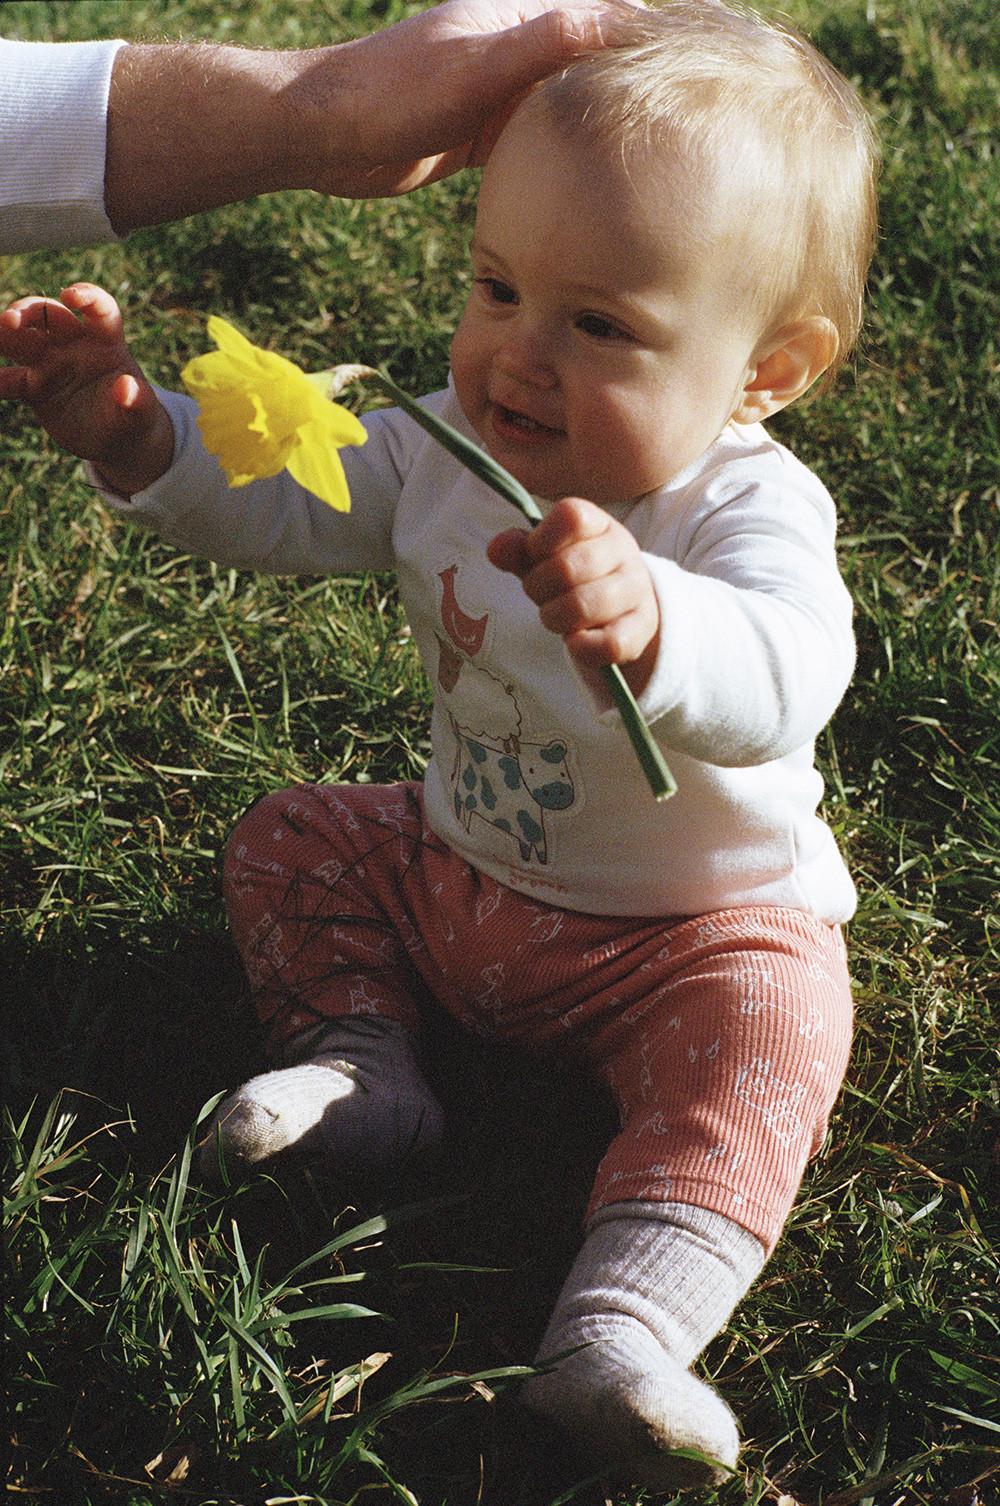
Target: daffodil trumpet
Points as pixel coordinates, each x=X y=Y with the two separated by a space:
x=259 y=414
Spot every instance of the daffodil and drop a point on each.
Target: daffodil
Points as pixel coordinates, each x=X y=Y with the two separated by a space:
x=260 y=414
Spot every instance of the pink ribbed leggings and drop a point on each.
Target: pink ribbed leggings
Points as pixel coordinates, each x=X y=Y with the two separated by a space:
x=724 y=1037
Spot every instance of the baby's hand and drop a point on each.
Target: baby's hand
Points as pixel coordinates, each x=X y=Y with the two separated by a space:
x=80 y=379
x=585 y=573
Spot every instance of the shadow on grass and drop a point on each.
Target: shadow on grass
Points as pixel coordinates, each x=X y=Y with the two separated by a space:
x=151 y=1030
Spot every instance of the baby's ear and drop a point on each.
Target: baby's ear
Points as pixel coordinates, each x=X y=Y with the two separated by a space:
x=785 y=366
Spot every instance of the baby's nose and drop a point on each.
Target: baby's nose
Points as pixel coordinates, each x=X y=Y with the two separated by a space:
x=525 y=356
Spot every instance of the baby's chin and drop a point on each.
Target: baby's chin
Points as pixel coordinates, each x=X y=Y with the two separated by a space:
x=555 y=491
x=557 y=487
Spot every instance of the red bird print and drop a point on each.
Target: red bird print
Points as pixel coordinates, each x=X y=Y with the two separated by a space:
x=467 y=633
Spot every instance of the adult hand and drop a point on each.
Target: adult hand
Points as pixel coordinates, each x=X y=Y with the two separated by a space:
x=193 y=126
x=432 y=93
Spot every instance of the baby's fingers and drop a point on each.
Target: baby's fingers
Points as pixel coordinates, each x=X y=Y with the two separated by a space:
x=84 y=309
x=98 y=311
x=507 y=551
x=15 y=383
x=28 y=326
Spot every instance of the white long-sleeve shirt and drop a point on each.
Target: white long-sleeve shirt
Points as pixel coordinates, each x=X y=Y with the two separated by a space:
x=53 y=137
x=532 y=778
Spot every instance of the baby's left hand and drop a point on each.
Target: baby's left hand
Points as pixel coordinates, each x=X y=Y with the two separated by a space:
x=585 y=573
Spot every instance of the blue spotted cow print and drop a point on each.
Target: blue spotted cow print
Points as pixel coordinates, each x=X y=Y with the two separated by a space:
x=511 y=787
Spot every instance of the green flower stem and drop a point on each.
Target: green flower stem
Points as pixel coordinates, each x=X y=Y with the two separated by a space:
x=651 y=760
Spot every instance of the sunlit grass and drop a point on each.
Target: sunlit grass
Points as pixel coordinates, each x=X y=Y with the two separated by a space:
x=149 y=698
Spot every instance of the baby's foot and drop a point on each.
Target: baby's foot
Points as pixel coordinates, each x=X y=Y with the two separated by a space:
x=652 y=1284
x=359 y=1104
x=627 y=1405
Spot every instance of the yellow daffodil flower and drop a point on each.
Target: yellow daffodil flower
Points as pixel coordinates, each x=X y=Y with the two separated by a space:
x=260 y=414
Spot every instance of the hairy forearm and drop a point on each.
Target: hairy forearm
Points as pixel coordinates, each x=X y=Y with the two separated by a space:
x=192 y=127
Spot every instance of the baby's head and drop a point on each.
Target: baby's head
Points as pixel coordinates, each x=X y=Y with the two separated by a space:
x=670 y=235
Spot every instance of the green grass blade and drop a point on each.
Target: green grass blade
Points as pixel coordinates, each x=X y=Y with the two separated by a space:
x=381 y=1223
x=988 y=1423
x=966 y=1376
x=267 y=1363
x=333 y=1310
x=236 y=1387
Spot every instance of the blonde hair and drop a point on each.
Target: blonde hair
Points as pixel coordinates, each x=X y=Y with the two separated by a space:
x=754 y=99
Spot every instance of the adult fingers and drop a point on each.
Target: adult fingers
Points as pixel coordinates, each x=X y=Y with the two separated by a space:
x=553 y=34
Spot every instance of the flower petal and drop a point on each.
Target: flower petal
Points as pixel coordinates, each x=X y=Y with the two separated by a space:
x=315 y=464
x=258 y=410
x=227 y=424
x=217 y=372
x=340 y=425
x=229 y=339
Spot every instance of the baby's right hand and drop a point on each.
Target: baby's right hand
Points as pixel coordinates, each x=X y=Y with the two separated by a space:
x=80 y=379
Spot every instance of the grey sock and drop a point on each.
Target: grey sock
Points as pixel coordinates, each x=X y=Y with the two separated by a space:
x=355 y=1100
x=653 y=1283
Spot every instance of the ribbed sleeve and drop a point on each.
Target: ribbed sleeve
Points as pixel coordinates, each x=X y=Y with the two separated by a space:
x=53 y=129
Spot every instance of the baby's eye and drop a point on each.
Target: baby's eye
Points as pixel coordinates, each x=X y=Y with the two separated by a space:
x=600 y=328
x=496 y=290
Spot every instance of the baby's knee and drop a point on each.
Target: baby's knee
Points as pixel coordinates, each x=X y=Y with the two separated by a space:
x=271 y=824
x=275 y=811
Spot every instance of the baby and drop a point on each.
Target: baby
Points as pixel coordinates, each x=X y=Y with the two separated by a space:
x=670 y=246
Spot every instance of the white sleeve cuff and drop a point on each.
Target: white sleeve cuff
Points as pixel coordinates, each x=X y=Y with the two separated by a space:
x=53 y=120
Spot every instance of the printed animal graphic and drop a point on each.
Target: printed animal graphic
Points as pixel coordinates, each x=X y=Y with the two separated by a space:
x=775 y=1100
x=511 y=785
x=497 y=776
x=465 y=632
x=449 y=665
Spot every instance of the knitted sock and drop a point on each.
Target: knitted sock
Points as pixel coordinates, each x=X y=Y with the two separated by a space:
x=358 y=1103
x=653 y=1283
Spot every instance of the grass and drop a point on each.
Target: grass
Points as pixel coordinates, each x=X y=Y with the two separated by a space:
x=168 y=1343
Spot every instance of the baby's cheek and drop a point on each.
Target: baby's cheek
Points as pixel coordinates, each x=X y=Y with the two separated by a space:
x=632 y=446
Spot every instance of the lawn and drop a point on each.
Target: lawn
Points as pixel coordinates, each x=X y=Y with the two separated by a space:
x=323 y=1344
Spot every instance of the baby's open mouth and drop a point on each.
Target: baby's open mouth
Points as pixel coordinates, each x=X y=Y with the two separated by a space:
x=522 y=421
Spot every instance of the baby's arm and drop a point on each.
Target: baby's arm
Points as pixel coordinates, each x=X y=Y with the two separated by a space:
x=756 y=646
x=75 y=371
x=746 y=649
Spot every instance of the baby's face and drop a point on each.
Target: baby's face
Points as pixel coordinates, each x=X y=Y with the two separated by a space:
x=601 y=349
